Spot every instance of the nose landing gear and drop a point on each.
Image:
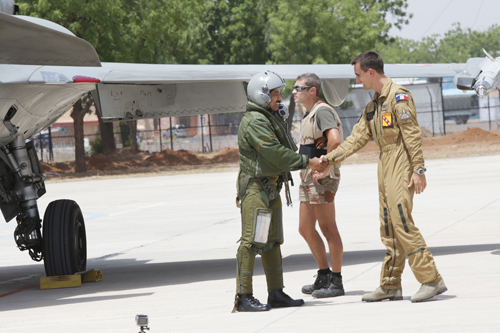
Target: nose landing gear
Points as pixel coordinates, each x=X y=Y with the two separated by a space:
x=63 y=246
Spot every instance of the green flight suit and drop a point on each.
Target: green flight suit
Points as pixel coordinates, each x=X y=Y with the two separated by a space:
x=391 y=120
x=267 y=154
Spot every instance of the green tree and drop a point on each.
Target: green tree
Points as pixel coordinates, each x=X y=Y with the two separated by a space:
x=329 y=31
x=236 y=31
x=165 y=31
x=457 y=45
x=100 y=22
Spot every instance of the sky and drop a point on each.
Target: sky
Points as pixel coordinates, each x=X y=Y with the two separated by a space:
x=437 y=16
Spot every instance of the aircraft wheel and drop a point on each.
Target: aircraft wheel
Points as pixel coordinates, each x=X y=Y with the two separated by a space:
x=64 y=239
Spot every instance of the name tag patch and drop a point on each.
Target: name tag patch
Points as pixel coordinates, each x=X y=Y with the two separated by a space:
x=401 y=97
x=386 y=119
x=404 y=116
x=384 y=106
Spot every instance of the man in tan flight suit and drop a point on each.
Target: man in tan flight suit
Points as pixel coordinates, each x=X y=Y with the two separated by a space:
x=320 y=133
x=391 y=120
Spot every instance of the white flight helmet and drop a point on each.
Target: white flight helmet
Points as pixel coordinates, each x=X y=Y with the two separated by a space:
x=260 y=86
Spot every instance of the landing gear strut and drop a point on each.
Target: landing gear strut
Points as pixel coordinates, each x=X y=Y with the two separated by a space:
x=64 y=245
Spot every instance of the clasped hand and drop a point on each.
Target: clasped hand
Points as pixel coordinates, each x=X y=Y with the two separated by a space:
x=318 y=164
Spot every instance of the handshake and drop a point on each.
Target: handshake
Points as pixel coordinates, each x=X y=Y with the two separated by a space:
x=318 y=164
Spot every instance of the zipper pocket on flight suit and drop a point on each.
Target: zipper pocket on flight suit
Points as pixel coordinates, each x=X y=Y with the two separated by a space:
x=400 y=208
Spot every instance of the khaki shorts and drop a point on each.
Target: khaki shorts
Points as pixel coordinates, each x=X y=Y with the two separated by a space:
x=319 y=194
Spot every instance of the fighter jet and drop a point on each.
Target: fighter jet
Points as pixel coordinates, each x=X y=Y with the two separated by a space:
x=45 y=69
x=479 y=74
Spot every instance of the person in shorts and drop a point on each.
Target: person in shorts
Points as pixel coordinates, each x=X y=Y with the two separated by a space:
x=321 y=132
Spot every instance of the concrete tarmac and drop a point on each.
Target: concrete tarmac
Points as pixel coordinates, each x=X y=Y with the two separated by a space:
x=166 y=247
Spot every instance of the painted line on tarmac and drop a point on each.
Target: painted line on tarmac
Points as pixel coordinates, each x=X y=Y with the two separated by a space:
x=110 y=255
x=464 y=218
x=18 y=290
x=89 y=216
x=137 y=209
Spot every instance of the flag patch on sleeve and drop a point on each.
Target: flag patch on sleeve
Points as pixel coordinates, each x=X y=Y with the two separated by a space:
x=401 y=97
x=404 y=115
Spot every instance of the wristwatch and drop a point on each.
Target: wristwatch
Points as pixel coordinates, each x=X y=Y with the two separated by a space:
x=420 y=171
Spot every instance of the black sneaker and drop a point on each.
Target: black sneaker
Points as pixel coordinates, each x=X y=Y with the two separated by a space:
x=248 y=303
x=333 y=289
x=322 y=281
x=278 y=299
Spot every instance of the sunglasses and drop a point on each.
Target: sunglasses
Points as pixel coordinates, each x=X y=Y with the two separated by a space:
x=300 y=88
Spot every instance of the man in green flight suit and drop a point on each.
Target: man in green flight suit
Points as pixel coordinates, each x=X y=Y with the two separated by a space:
x=267 y=155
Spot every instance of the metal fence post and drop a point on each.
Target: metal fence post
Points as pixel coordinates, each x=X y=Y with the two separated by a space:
x=171 y=135
x=49 y=148
x=161 y=136
x=489 y=112
x=442 y=104
x=202 y=118
x=432 y=110
x=41 y=145
x=210 y=133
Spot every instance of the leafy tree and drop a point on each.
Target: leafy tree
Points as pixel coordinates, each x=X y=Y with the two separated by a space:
x=329 y=31
x=237 y=31
x=457 y=45
x=164 y=31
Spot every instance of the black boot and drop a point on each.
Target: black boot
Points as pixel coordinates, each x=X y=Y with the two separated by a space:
x=278 y=299
x=248 y=303
x=333 y=289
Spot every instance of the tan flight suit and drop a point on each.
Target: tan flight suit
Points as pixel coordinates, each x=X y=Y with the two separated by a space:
x=391 y=120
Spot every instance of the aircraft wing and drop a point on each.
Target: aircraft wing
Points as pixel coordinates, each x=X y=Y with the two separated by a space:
x=139 y=91
x=29 y=40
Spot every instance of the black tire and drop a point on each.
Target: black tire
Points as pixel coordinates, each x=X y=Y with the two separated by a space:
x=64 y=239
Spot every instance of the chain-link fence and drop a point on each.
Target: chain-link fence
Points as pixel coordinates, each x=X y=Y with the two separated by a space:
x=440 y=112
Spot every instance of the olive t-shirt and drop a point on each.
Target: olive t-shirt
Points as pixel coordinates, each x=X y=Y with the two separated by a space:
x=325 y=119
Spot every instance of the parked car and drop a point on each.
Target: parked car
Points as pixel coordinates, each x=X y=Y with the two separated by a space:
x=458 y=105
x=178 y=131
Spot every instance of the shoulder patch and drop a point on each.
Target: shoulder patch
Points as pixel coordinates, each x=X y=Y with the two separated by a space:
x=401 y=97
x=404 y=116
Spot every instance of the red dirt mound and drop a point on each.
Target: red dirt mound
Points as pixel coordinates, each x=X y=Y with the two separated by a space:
x=99 y=162
x=172 y=157
x=228 y=155
x=58 y=167
x=125 y=154
x=470 y=135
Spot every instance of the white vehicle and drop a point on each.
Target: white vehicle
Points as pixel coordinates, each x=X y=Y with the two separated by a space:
x=178 y=131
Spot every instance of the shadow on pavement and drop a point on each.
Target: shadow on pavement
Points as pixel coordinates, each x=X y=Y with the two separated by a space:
x=132 y=275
